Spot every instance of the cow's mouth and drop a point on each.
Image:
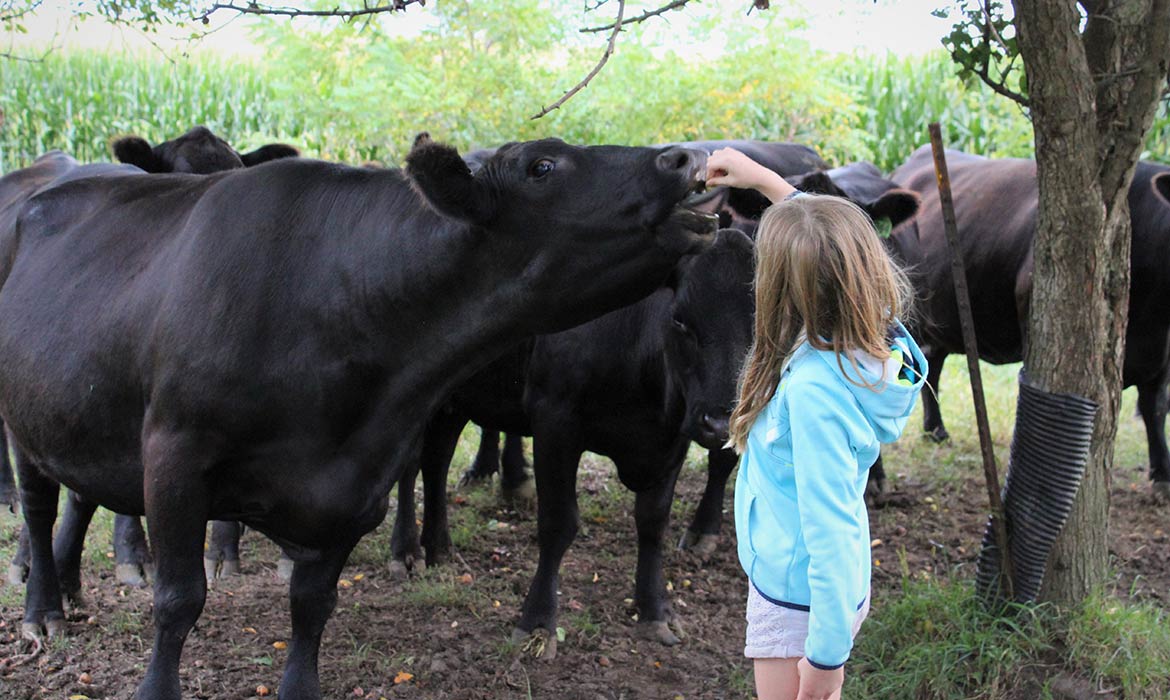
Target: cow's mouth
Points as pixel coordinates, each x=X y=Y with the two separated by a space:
x=689 y=215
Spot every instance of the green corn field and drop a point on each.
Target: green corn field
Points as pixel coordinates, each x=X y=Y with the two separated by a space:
x=363 y=101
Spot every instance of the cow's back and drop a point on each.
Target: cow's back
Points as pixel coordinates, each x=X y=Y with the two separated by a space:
x=995 y=208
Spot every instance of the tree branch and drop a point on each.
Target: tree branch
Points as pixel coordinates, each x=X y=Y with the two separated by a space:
x=609 y=48
x=998 y=86
x=252 y=8
x=675 y=5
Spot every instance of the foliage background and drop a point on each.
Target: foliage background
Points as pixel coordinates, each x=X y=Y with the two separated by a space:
x=353 y=92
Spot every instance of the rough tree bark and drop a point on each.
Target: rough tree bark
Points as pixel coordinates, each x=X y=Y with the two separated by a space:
x=1093 y=96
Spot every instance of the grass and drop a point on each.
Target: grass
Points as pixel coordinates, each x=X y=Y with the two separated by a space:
x=938 y=641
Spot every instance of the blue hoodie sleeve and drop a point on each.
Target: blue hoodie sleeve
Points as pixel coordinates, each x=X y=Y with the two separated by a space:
x=831 y=507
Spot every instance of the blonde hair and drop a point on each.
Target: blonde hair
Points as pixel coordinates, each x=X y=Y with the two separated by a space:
x=823 y=275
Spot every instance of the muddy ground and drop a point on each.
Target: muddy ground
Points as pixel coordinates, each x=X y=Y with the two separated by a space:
x=445 y=633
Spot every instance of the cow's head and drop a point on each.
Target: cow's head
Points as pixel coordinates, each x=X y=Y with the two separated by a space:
x=863 y=184
x=607 y=222
x=198 y=151
x=709 y=331
x=1161 y=185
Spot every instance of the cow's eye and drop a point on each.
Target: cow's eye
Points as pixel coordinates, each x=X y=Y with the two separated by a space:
x=541 y=167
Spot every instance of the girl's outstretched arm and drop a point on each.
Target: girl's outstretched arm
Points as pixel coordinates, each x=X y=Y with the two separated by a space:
x=732 y=168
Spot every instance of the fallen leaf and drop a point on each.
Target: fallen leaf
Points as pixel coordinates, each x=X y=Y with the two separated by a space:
x=262 y=690
x=79 y=697
x=85 y=679
x=344 y=583
x=466 y=579
x=596 y=578
x=560 y=634
x=402 y=677
x=575 y=605
x=358 y=577
x=359 y=692
x=495 y=603
x=875 y=543
x=280 y=645
x=250 y=630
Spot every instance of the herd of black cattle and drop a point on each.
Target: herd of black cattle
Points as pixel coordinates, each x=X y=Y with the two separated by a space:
x=279 y=345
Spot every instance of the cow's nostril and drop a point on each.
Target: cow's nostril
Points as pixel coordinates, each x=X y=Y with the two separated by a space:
x=718 y=426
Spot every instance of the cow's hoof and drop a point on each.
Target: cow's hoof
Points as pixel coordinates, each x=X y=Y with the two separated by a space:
x=877 y=492
x=938 y=434
x=658 y=631
x=36 y=632
x=1161 y=491
x=284 y=569
x=539 y=643
x=72 y=596
x=130 y=575
x=473 y=479
x=220 y=569
x=702 y=544
x=523 y=493
x=17 y=574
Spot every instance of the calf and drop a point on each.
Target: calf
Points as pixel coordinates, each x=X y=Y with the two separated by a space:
x=199 y=151
x=995 y=207
x=267 y=344
x=637 y=385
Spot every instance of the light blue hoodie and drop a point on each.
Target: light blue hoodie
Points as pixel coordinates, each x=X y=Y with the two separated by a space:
x=800 y=514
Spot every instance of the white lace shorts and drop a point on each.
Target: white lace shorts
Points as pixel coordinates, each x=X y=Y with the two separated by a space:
x=777 y=632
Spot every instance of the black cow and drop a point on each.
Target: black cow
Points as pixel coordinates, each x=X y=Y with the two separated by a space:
x=199 y=151
x=637 y=385
x=737 y=208
x=995 y=206
x=267 y=345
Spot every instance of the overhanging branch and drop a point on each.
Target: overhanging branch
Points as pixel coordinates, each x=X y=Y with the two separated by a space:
x=609 y=48
x=675 y=5
x=252 y=8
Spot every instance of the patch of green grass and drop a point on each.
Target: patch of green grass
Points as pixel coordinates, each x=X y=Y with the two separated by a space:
x=441 y=589
x=1126 y=645
x=938 y=641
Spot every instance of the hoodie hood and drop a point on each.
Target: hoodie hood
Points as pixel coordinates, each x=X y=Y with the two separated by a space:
x=896 y=381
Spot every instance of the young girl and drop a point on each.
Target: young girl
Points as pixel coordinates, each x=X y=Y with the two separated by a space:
x=830 y=376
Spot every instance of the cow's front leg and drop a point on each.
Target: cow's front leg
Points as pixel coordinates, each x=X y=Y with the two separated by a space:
x=439 y=442
x=70 y=542
x=312 y=596
x=131 y=555
x=1152 y=403
x=18 y=568
x=177 y=501
x=702 y=536
x=222 y=557
x=43 y=611
x=8 y=492
x=487 y=459
x=556 y=458
x=652 y=516
x=516 y=484
x=405 y=550
x=932 y=420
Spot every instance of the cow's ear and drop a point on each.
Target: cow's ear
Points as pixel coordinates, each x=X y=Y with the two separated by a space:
x=749 y=204
x=445 y=181
x=1162 y=186
x=136 y=151
x=817 y=182
x=896 y=205
x=272 y=151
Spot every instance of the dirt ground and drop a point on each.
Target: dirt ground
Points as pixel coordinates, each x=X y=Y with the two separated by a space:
x=445 y=633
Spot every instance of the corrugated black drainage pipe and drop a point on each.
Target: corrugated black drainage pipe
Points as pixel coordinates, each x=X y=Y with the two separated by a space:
x=1049 y=451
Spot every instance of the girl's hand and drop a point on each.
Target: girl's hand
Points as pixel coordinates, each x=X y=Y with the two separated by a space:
x=816 y=684
x=732 y=168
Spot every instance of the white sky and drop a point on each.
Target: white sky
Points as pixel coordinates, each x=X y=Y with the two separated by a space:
x=901 y=27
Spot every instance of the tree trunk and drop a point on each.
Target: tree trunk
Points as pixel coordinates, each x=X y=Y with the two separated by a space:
x=1088 y=127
